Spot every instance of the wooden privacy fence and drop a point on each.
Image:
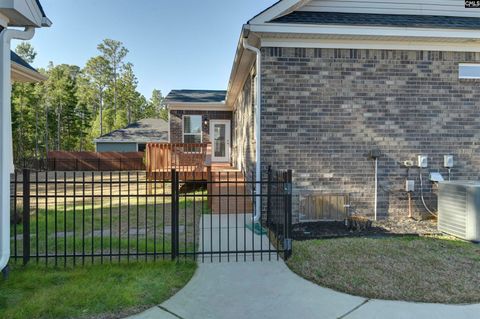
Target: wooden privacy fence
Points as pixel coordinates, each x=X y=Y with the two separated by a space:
x=324 y=207
x=163 y=157
x=94 y=161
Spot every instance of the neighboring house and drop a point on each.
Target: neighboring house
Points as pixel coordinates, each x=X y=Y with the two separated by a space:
x=341 y=83
x=134 y=137
x=201 y=116
x=24 y=72
x=14 y=14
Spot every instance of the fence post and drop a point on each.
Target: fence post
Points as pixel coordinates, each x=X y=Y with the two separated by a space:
x=269 y=195
x=175 y=213
x=209 y=186
x=288 y=215
x=26 y=216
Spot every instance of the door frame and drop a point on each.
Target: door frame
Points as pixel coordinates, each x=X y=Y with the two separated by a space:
x=228 y=140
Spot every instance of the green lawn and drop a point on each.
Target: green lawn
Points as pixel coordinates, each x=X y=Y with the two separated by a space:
x=106 y=291
x=438 y=270
x=144 y=226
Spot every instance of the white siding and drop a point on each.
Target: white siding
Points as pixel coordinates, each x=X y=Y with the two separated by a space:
x=427 y=7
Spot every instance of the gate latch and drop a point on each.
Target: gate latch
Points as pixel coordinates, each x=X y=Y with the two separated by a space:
x=287 y=244
x=288 y=188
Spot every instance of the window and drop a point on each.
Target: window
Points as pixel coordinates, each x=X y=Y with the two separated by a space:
x=192 y=129
x=469 y=71
x=142 y=147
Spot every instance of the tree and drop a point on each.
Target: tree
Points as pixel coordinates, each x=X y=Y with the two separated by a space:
x=157 y=106
x=114 y=52
x=75 y=106
x=26 y=51
x=99 y=73
x=63 y=119
x=132 y=100
x=25 y=105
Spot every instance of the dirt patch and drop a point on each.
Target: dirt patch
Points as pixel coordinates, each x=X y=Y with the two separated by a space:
x=388 y=227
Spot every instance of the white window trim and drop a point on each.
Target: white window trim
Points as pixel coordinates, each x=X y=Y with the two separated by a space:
x=201 y=130
x=468 y=77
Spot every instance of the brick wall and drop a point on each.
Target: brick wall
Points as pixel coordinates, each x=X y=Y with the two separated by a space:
x=243 y=150
x=324 y=110
x=176 y=127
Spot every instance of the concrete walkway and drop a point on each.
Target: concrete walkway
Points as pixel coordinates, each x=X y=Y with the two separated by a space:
x=269 y=289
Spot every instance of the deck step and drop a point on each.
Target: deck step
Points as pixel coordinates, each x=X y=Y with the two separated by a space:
x=230 y=182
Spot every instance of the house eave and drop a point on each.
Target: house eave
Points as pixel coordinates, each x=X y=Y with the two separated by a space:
x=26 y=75
x=23 y=13
x=364 y=31
x=198 y=106
x=242 y=64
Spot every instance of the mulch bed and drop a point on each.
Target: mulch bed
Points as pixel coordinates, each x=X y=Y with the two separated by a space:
x=388 y=227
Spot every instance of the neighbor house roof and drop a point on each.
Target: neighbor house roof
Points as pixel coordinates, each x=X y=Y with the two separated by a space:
x=388 y=20
x=23 y=71
x=143 y=131
x=196 y=96
x=17 y=59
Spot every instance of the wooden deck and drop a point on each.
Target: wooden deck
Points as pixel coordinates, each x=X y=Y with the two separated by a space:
x=193 y=163
x=227 y=180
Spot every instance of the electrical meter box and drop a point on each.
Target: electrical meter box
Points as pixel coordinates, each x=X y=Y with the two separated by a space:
x=422 y=161
x=409 y=186
x=448 y=161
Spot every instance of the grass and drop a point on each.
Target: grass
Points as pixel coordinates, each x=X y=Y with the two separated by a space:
x=100 y=291
x=154 y=221
x=437 y=270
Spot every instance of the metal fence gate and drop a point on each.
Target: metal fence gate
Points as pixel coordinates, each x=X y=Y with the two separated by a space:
x=96 y=217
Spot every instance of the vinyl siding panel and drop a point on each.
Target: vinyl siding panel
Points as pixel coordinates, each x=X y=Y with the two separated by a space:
x=439 y=7
x=116 y=147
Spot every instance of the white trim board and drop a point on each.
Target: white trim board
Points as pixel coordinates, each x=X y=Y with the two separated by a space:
x=198 y=107
x=373 y=44
x=410 y=7
x=346 y=30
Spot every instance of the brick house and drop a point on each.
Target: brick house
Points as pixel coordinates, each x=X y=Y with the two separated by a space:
x=342 y=85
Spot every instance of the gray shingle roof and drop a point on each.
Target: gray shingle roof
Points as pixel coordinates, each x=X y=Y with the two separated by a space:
x=17 y=59
x=196 y=96
x=367 y=19
x=143 y=131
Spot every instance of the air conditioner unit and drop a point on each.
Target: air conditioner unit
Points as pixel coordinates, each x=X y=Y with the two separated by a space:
x=459 y=209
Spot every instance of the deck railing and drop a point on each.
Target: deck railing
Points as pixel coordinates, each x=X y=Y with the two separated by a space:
x=163 y=157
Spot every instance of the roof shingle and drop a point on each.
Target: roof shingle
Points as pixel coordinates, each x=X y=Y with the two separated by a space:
x=196 y=96
x=17 y=59
x=143 y=131
x=370 y=19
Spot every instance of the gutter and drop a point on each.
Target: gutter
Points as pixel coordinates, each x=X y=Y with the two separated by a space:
x=258 y=118
x=6 y=156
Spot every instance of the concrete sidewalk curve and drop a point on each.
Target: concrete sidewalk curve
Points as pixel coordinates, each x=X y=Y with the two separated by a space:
x=271 y=290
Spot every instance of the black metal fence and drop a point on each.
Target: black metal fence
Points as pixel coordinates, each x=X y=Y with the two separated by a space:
x=97 y=217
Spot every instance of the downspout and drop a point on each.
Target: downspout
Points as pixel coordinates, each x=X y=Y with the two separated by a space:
x=6 y=156
x=258 y=118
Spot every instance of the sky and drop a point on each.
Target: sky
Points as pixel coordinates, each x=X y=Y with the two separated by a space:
x=173 y=44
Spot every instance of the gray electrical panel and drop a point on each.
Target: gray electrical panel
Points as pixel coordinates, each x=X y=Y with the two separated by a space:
x=459 y=209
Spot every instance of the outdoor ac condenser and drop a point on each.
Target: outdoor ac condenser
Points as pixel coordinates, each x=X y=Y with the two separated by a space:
x=459 y=209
